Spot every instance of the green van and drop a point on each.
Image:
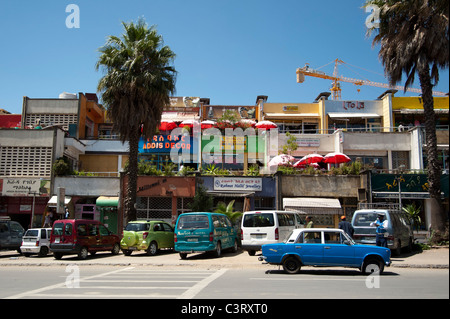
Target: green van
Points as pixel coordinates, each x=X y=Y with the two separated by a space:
x=204 y=232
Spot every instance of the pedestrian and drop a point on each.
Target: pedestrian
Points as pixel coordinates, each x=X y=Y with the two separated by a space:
x=48 y=219
x=309 y=222
x=381 y=224
x=346 y=226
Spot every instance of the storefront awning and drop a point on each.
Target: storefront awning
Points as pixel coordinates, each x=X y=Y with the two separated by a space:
x=289 y=115
x=313 y=206
x=230 y=194
x=103 y=201
x=342 y=115
x=54 y=201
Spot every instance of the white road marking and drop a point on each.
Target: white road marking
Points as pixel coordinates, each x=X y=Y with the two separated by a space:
x=61 y=285
x=192 y=292
x=195 y=282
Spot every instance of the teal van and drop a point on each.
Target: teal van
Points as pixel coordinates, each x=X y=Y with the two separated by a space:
x=204 y=232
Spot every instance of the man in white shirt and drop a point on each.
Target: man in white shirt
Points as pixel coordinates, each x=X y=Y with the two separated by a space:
x=381 y=224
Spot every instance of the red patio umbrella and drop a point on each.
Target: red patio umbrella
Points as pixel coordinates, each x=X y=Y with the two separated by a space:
x=336 y=158
x=167 y=125
x=207 y=124
x=189 y=123
x=282 y=159
x=311 y=158
x=266 y=125
x=249 y=122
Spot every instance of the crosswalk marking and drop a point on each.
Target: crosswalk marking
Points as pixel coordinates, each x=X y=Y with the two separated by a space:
x=131 y=282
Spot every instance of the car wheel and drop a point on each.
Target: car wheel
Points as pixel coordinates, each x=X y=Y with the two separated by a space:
x=57 y=256
x=116 y=249
x=218 y=250
x=127 y=252
x=251 y=252
x=183 y=256
x=372 y=266
x=83 y=253
x=292 y=265
x=43 y=252
x=152 y=249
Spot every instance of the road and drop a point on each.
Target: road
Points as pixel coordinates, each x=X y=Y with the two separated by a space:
x=183 y=282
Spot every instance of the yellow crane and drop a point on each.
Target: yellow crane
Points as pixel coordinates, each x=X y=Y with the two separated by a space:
x=336 y=86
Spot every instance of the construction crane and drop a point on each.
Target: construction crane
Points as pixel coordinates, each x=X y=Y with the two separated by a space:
x=336 y=86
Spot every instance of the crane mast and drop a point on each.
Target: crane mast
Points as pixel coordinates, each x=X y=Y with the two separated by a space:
x=336 y=86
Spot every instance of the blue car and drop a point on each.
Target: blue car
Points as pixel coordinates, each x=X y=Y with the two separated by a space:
x=325 y=247
x=204 y=232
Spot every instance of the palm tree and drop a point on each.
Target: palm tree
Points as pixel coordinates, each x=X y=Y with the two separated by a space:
x=414 y=38
x=137 y=84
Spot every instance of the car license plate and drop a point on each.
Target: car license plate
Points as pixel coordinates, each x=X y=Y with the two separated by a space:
x=56 y=240
x=192 y=239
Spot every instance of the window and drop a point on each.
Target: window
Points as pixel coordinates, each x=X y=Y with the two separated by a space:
x=103 y=230
x=81 y=230
x=58 y=229
x=92 y=230
x=68 y=229
x=259 y=220
x=167 y=228
x=193 y=222
x=333 y=238
x=137 y=227
x=286 y=219
x=310 y=237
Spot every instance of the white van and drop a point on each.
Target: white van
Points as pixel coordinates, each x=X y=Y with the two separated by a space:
x=266 y=227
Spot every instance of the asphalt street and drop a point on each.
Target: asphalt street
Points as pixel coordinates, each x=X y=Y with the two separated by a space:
x=183 y=282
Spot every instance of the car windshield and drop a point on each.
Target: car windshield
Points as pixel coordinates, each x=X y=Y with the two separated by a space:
x=259 y=220
x=32 y=233
x=364 y=219
x=137 y=227
x=193 y=222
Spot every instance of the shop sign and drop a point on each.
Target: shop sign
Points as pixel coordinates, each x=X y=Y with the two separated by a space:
x=290 y=108
x=308 y=142
x=237 y=184
x=350 y=105
x=20 y=186
x=165 y=143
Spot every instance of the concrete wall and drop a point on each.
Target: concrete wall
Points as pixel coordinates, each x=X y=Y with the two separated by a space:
x=88 y=186
x=52 y=106
x=321 y=186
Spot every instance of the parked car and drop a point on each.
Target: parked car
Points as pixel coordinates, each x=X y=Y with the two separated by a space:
x=147 y=235
x=36 y=241
x=82 y=236
x=204 y=232
x=266 y=227
x=11 y=233
x=399 y=233
x=325 y=247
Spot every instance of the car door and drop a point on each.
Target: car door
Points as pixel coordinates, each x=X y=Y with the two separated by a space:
x=335 y=251
x=168 y=236
x=17 y=232
x=309 y=247
x=107 y=241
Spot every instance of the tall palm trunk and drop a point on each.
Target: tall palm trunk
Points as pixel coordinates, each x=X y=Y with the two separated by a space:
x=130 y=210
x=434 y=169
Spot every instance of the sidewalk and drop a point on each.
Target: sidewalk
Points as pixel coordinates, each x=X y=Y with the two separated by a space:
x=437 y=258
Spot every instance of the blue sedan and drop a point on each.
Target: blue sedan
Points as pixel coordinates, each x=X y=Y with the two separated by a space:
x=325 y=247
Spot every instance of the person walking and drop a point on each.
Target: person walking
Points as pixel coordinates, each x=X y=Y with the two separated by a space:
x=309 y=222
x=346 y=226
x=381 y=224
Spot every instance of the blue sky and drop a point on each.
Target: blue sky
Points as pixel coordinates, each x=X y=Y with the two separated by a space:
x=227 y=50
